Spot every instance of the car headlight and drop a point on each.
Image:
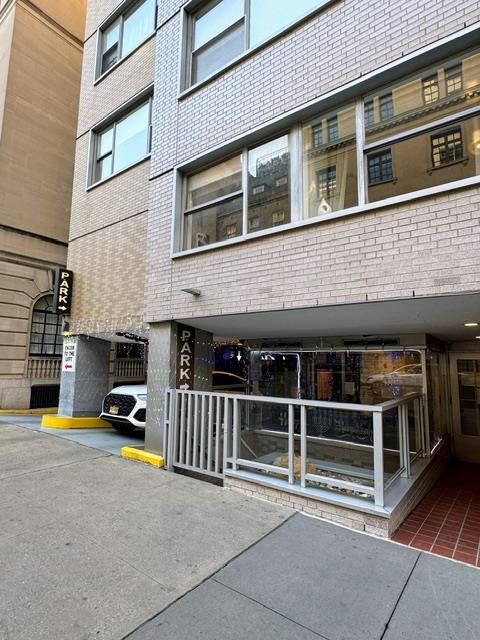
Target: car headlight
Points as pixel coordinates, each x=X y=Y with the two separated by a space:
x=142 y=397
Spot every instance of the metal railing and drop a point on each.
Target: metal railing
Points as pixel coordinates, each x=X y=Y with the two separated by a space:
x=130 y=368
x=44 y=368
x=355 y=449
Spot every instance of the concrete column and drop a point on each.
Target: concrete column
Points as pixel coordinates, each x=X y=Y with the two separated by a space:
x=83 y=388
x=165 y=351
x=161 y=376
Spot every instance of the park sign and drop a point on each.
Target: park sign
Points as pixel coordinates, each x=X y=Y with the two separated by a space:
x=62 y=301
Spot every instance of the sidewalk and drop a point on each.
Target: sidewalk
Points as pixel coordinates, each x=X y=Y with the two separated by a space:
x=94 y=546
x=309 y=580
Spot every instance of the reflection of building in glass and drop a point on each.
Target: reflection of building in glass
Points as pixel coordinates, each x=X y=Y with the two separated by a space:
x=269 y=191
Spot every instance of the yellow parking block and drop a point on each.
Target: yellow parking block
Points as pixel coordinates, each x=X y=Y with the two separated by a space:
x=63 y=422
x=139 y=453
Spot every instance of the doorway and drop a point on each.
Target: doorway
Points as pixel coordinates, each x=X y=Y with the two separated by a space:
x=465 y=382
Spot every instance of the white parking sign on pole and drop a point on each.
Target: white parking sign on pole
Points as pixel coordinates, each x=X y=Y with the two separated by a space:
x=69 y=356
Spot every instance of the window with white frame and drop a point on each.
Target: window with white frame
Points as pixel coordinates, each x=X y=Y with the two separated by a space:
x=122 y=143
x=223 y=29
x=125 y=33
x=410 y=141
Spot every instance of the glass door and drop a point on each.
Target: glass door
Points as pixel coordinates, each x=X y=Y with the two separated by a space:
x=465 y=372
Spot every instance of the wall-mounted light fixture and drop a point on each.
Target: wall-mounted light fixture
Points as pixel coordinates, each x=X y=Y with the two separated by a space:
x=193 y=292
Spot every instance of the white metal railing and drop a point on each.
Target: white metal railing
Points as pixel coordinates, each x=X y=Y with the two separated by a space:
x=212 y=433
x=44 y=368
x=130 y=368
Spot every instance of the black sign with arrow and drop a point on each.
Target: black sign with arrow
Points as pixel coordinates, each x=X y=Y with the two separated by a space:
x=62 y=301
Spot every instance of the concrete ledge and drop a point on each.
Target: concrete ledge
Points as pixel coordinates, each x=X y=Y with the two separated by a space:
x=63 y=422
x=139 y=453
x=27 y=412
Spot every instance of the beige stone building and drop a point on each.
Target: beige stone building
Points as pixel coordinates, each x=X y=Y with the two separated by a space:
x=40 y=66
x=273 y=175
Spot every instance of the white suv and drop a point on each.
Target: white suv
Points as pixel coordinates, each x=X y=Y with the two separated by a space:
x=125 y=408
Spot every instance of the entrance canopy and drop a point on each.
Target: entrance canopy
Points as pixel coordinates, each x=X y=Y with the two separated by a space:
x=443 y=317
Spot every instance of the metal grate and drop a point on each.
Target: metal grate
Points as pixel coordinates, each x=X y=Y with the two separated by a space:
x=125 y=404
x=44 y=396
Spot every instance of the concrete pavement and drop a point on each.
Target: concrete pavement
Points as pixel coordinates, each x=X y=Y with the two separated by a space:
x=309 y=579
x=92 y=545
x=108 y=440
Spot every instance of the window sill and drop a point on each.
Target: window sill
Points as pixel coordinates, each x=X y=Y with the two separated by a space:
x=118 y=173
x=119 y=62
x=463 y=161
x=186 y=91
x=334 y=215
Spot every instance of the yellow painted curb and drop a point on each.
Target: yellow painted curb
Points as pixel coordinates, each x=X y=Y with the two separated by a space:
x=27 y=412
x=134 y=453
x=62 y=422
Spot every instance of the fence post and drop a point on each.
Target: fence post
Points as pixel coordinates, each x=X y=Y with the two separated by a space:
x=235 y=434
x=291 y=446
x=378 y=458
x=303 y=444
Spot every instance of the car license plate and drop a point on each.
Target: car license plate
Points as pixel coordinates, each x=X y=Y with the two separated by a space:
x=113 y=409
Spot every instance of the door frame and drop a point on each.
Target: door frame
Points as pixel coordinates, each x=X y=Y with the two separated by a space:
x=461 y=443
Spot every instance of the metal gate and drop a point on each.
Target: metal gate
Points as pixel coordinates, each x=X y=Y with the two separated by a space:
x=197 y=425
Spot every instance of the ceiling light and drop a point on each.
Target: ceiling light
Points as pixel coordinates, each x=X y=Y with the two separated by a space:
x=471 y=324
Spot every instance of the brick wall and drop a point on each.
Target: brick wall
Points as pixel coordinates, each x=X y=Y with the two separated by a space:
x=108 y=222
x=426 y=245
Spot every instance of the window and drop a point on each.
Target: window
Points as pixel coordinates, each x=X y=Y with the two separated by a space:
x=447 y=147
x=46 y=332
x=386 y=107
x=223 y=29
x=217 y=196
x=332 y=124
x=214 y=202
x=317 y=135
x=124 y=35
x=369 y=113
x=122 y=143
x=380 y=167
x=278 y=217
x=431 y=91
x=327 y=182
x=269 y=163
x=314 y=169
x=454 y=79
x=254 y=223
x=330 y=172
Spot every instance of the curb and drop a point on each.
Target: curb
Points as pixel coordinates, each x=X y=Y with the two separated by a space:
x=63 y=422
x=28 y=412
x=139 y=454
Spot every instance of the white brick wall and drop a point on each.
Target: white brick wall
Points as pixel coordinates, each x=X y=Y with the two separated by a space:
x=428 y=245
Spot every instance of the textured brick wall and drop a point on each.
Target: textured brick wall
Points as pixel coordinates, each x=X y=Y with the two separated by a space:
x=108 y=223
x=427 y=245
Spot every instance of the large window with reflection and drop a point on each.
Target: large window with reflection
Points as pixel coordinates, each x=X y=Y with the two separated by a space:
x=415 y=135
x=224 y=201
x=46 y=337
x=223 y=29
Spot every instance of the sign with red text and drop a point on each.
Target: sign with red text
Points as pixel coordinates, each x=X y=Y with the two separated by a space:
x=69 y=356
